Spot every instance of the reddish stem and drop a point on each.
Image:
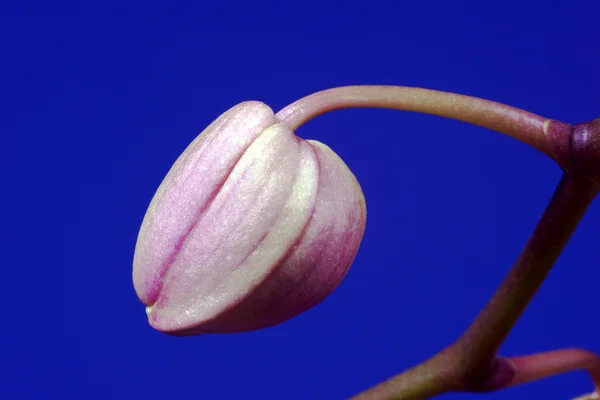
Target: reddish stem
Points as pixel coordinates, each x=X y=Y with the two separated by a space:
x=543 y=365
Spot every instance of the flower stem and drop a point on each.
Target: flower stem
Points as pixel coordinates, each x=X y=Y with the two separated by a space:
x=481 y=341
x=546 y=135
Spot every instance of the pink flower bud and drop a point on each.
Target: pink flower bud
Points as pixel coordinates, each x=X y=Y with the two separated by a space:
x=251 y=226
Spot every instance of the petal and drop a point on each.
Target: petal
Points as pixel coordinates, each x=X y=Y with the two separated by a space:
x=249 y=226
x=318 y=260
x=188 y=189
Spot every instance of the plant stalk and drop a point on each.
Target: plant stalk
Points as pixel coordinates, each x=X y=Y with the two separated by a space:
x=480 y=343
x=548 y=136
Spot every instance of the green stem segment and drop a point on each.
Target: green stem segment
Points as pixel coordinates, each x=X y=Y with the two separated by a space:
x=546 y=135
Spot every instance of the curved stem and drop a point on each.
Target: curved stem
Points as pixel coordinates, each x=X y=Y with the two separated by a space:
x=546 y=135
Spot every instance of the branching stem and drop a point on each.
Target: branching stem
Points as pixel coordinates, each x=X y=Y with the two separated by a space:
x=471 y=364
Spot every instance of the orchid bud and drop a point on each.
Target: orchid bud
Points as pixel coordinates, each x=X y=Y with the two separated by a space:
x=251 y=227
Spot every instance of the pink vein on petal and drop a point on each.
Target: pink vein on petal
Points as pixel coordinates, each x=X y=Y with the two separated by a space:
x=155 y=286
x=158 y=284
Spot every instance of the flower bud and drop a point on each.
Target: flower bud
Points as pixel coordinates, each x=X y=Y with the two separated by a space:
x=251 y=226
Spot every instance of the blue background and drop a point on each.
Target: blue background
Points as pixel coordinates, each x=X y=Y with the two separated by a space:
x=99 y=99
